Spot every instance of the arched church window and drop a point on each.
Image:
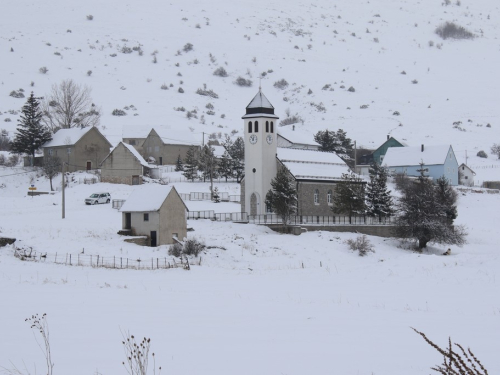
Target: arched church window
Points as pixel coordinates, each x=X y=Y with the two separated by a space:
x=267 y=126
x=249 y=126
x=272 y=127
x=316 y=196
x=329 y=197
x=256 y=126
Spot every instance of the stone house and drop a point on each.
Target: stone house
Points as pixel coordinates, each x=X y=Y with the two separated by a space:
x=157 y=212
x=437 y=161
x=124 y=165
x=135 y=136
x=80 y=148
x=289 y=138
x=163 y=146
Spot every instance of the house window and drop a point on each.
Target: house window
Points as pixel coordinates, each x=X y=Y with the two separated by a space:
x=149 y=148
x=466 y=177
x=256 y=126
x=131 y=142
x=146 y=217
x=381 y=158
x=50 y=151
x=157 y=148
x=329 y=197
x=267 y=126
x=249 y=126
x=68 y=150
x=272 y=127
x=316 y=196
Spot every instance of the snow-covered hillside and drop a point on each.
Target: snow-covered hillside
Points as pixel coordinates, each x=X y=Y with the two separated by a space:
x=321 y=49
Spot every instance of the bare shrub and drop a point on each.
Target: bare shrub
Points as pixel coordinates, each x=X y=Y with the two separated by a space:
x=495 y=150
x=482 y=154
x=454 y=31
x=205 y=92
x=281 y=84
x=137 y=355
x=187 y=47
x=361 y=244
x=90 y=17
x=193 y=247
x=240 y=81
x=175 y=250
x=43 y=70
x=295 y=119
x=119 y=112
x=220 y=72
x=16 y=94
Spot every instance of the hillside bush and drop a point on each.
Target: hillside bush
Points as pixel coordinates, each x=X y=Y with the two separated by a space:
x=482 y=154
x=495 y=150
x=361 y=244
x=454 y=31
x=119 y=112
x=220 y=72
x=187 y=47
x=191 y=247
x=240 y=81
x=16 y=94
x=204 y=92
x=281 y=84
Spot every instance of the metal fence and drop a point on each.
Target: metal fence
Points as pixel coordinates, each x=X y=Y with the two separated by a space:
x=202 y=196
x=98 y=261
x=201 y=214
x=232 y=216
x=320 y=220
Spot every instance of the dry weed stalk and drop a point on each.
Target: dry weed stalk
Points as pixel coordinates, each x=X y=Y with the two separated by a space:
x=456 y=363
x=137 y=355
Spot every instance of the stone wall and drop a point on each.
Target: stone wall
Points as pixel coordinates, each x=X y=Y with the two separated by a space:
x=305 y=195
x=371 y=230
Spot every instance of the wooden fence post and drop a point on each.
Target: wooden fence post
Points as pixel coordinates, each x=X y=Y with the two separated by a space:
x=114 y=261
x=70 y=259
x=97 y=260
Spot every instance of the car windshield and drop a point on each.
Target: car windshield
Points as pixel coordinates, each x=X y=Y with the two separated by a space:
x=94 y=196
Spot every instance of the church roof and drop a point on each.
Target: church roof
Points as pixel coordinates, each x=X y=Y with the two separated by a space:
x=312 y=165
x=260 y=105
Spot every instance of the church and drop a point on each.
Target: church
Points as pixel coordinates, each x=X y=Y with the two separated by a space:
x=316 y=173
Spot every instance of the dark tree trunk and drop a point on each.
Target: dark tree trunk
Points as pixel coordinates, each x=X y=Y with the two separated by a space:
x=422 y=242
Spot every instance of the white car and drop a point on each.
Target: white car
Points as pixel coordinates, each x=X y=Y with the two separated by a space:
x=98 y=198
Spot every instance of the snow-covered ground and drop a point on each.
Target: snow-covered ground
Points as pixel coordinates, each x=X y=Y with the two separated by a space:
x=260 y=302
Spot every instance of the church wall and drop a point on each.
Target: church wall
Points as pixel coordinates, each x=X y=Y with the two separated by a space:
x=305 y=195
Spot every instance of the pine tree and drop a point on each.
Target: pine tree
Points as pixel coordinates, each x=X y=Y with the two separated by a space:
x=426 y=212
x=178 y=165
x=447 y=199
x=216 y=196
x=225 y=167
x=282 y=197
x=349 y=197
x=190 y=164
x=378 y=198
x=337 y=142
x=237 y=153
x=207 y=163
x=31 y=133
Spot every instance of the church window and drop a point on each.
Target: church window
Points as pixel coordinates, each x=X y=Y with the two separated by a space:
x=256 y=126
x=267 y=126
x=250 y=126
x=329 y=197
x=316 y=196
x=272 y=127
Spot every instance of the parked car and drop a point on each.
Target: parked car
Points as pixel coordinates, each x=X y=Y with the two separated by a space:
x=98 y=198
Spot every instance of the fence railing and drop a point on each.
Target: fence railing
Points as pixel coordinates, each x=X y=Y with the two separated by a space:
x=202 y=196
x=201 y=214
x=235 y=198
x=320 y=220
x=232 y=216
x=101 y=261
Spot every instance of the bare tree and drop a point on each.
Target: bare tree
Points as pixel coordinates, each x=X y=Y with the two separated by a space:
x=69 y=105
x=51 y=168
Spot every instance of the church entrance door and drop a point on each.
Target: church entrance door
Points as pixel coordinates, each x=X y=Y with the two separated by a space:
x=254 y=204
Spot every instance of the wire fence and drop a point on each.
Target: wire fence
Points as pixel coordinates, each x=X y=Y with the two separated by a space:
x=98 y=261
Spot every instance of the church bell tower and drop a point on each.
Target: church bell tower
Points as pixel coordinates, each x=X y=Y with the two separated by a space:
x=260 y=153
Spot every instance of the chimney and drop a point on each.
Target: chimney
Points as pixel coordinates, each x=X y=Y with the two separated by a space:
x=422 y=148
x=388 y=136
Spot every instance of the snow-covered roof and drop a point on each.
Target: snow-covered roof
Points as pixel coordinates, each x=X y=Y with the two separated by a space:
x=297 y=137
x=66 y=137
x=178 y=137
x=405 y=156
x=136 y=154
x=260 y=101
x=148 y=197
x=313 y=165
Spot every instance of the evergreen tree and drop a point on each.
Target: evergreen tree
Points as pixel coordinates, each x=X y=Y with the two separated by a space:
x=426 y=212
x=282 y=197
x=207 y=163
x=178 y=165
x=447 y=199
x=191 y=164
x=349 y=197
x=237 y=153
x=31 y=133
x=216 y=196
x=378 y=198
x=225 y=167
x=337 y=142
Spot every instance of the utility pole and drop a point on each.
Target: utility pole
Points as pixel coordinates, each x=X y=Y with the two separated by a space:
x=465 y=157
x=63 y=196
x=355 y=152
x=203 y=141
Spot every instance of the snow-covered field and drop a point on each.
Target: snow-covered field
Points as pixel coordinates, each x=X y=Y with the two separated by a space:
x=268 y=303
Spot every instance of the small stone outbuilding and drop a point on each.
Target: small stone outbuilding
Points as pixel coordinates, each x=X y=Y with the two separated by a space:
x=124 y=165
x=157 y=212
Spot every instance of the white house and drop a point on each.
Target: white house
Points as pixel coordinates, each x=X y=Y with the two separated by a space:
x=465 y=175
x=288 y=137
